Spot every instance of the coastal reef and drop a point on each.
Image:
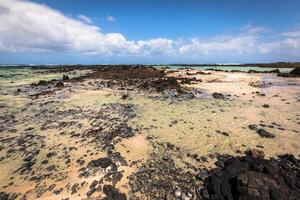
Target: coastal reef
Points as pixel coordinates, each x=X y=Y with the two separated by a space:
x=148 y=132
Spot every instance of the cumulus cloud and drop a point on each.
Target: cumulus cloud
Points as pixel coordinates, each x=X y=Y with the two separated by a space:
x=30 y=27
x=110 y=18
x=85 y=19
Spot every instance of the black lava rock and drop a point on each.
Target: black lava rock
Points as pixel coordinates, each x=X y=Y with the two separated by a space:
x=101 y=162
x=265 y=134
x=59 y=84
x=112 y=193
x=65 y=78
x=252 y=178
x=218 y=95
x=261 y=132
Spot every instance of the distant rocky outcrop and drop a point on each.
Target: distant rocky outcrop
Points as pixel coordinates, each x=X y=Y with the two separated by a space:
x=294 y=73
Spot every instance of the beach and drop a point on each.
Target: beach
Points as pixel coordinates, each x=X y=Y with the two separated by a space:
x=137 y=132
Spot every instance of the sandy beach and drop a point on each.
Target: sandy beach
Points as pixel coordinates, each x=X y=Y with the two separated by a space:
x=139 y=132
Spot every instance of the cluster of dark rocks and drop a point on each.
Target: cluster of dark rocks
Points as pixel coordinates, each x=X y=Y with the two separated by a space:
x=259 y=84
x=188 y=81
x=198 y=72
x=160 y=178
x=162 y=84
x=248 y=71
x=27 y=145
x=111 y=122
x=53 y=70
x=109 y=167
x=243 y=177
x=261 y=132
x=138 y=78
x=112 y=193
x=253 y=178
x=8 y=196
x=247 y=177
x=42 y=87
x=7 y=121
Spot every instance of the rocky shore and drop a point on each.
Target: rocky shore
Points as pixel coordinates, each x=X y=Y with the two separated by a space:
x=136 y=132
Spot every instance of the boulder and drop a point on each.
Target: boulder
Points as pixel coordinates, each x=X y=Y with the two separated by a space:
x=112 y=193
x=101 y=162
x=65 y=77
x=218 y=95
x=255 y=153
x=251 y=178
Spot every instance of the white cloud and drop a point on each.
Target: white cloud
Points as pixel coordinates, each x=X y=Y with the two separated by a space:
x=156 y=46
x=288 y=44
x=225 y=45
x=30 y=26
x=251 y=29
x=292 y=33
x=284 y=46
x=110 y=18
x=85 y=19
x=27 y=26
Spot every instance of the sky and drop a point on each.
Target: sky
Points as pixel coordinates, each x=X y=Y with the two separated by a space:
x=148 y=32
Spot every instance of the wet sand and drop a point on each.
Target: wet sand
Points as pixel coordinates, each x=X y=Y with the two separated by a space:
x=102 y=135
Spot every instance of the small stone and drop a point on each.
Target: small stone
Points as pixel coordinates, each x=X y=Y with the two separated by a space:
x=125 y=96
x=218 y=95
x=94 y=184
x=74 y=188
x=266 y=105
x=90 y=192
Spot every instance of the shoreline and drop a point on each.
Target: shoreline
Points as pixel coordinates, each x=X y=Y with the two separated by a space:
x=147 y=133
x=261 y=65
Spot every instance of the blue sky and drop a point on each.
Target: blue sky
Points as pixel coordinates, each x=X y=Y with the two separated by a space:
x=165 y=31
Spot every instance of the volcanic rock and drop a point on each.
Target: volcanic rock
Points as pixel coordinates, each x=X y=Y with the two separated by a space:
x=255 y=153
x=101 y=162
x=218 y=95
x=65 y=77
x=112 y=193
x=252 y=178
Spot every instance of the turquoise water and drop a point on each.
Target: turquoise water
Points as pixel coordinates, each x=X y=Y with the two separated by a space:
x=231 y=68
x=10 y=74
x=14 y=76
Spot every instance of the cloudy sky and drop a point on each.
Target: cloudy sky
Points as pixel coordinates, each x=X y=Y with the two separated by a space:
x=154 y=31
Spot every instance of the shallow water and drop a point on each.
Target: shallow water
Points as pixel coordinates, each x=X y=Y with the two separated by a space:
x=193 y=125
x=231 y=68
x=11 y=76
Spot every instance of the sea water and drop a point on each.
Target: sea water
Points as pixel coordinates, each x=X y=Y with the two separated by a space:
x=231 y=68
